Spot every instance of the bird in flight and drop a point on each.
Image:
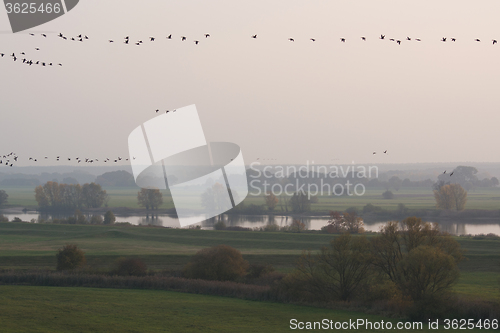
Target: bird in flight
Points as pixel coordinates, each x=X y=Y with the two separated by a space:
x=382 y=36
x=444 y=172
x=408 y=38
x=312 y=39
x=183 y=38
x=374 y=153
x=453 y=39
x=152 y=39
x=443 y=39
x=169 y=36
x=254 y=36
x=363 y=38
x=157 y=111
x=342 y=40
x=291 y=39
x=477 y=40
x=418 y=39
x=399 y=42
x=494 y=41
x=196 y=42
x=451 y=174
x=385 y=151
x=109 y=41
x=207 y=35
x=44 y=35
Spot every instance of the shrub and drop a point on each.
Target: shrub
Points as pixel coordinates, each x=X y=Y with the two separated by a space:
x=258 y=270
x=130 y=267
x=388 y=195
x=16 y=219
x=220 y=225
x=70 y=257
x=109 y=217
x=222 y=263
x=3 y=218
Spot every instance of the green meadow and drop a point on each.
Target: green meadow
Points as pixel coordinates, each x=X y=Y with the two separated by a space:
x=413 y=198
x=61 y=309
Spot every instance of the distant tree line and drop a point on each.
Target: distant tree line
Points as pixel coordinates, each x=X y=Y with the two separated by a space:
x=55 y=196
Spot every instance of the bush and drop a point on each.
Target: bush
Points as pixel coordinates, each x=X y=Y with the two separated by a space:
x=109 y=217
x=16 y=219
x=258 y=270
x=388 y=195
x=3 y=218
x=220 y=225
x=70 y=257
x=222 y=263
x=130 y=267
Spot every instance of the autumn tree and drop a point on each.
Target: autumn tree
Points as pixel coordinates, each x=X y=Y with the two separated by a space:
x=55 y=196
x=451 y=196
x=338 y=271
x=419 y=259
x=271 y=200
x=150 y=198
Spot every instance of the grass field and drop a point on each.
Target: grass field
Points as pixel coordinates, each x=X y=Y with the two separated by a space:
x=413 y=198
x=28 y=246
x=58 y=309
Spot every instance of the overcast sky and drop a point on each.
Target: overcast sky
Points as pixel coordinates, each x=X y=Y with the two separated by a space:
x=323 y=101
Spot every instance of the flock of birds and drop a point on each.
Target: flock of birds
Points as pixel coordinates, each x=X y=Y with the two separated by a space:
x=10 y=159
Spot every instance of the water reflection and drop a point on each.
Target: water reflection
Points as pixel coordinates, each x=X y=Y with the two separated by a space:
x=261 y=221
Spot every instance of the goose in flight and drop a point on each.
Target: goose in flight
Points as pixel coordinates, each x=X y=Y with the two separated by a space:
x=453 y=39
x=443 y=39
x=254 y=36
x=207 y=35
x=363 y=38
x=169 y=36
x=183 y=38
x=494 y=41
x=342 y=40
x=313 y=39
x=291 y=39
x=382 y=36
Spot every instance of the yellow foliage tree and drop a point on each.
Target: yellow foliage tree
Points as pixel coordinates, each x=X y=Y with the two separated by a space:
x=451 y=196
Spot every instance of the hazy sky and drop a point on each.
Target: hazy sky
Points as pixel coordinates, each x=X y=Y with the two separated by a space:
x=300 y=101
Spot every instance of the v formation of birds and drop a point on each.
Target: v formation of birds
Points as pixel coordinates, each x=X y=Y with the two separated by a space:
x=10 y=159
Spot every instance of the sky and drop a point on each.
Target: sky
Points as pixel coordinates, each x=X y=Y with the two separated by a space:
x=280 y=101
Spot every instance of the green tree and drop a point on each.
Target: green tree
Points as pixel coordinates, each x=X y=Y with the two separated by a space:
x=150 y=198
x=388 y=195
x=70 y=257
x=300 y=202
x=109 y=217
x=222 y=263
x=216 y=198
x=93 y=195
x=3 y=197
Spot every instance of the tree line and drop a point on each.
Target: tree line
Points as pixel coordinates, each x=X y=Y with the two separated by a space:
x=55 y=196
